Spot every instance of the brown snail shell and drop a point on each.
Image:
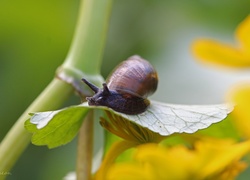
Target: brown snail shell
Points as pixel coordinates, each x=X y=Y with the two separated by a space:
x=127 y=88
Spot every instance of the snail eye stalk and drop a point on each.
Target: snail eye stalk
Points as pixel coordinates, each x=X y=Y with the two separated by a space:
x=92 y=86
x=105 y=89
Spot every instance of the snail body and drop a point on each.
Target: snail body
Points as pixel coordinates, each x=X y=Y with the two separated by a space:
x=127 y=87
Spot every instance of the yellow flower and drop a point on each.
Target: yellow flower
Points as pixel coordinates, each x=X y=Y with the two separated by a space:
x=208 y=159
x=214 y=52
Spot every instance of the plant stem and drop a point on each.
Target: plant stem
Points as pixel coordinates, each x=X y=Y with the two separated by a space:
x=18 y=138
x=85 y=148
x=86 y=53
x=88 y=44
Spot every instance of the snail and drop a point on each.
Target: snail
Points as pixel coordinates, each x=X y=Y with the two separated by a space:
x=127 y=88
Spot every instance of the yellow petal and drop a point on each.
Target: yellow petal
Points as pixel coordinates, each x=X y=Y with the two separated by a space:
x=223 y=158
x=155 y=162
x=129 y=171
x=232 y=171
x=243 y=35
x=241 y=97
x=163 y=162
x=213 y=52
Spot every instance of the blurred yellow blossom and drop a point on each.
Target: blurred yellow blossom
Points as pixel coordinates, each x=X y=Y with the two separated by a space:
x=240 y=95
x=214 y=52
x=207 y=159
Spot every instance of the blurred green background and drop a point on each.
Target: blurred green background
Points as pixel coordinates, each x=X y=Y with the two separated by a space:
x=35 y=37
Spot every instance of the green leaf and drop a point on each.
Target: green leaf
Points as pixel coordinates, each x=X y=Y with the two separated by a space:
x=167 y=119
x=55 y=128
x=62 y=127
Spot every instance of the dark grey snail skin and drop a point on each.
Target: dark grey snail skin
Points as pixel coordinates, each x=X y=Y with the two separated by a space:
x=127 y=88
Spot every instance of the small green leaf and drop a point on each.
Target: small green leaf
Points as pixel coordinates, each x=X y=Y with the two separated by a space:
x=62 y=127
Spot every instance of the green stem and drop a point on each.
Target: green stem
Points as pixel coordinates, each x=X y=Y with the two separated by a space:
x=88 y=44
x=85 y=148
x=86 y=53
x=18 y=138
